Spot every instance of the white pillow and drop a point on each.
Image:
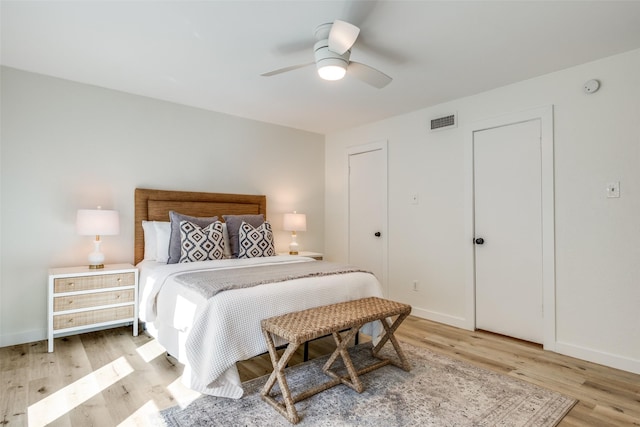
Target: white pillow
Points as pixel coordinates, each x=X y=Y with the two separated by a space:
x=163 y=232
x=150 y=240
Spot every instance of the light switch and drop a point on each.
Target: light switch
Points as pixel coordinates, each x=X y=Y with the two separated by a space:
x=613 y=189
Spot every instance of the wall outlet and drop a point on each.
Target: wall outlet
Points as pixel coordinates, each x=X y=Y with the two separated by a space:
x=613 y=189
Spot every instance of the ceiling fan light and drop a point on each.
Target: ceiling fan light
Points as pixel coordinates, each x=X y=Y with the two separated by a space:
x=331 y=65
x=332 y=72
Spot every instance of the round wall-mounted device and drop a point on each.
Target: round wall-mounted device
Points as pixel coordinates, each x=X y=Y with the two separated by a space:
x=591 y=86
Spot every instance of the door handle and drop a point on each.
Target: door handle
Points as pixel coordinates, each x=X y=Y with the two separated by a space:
x=377 y=234
x=479 y=241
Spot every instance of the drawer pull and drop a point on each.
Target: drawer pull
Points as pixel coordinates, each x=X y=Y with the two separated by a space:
x=71 y=284
x=70 y=320
x=119 y=279
x=70 y=301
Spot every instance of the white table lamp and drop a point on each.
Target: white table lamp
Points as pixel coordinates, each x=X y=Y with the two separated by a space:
x=294 y=222
x=97 y=222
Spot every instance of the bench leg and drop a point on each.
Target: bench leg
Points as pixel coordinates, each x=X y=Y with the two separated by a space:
x=306 y=346
x=341 y=350
x=288 y=409
x=390 y=329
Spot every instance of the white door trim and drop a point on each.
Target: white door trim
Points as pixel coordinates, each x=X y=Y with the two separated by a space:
x=545 y=114
x=364 y=148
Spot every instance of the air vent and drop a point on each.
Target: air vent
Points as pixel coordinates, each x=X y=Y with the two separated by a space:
x=444 y=122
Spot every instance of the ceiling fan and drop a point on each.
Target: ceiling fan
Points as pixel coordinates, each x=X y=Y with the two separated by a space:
x=332 y=51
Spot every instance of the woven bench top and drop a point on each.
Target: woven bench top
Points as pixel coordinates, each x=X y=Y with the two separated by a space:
x=305 y=325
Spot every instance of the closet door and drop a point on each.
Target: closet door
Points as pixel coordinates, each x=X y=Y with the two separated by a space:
x=368 y=211
x=508 y=230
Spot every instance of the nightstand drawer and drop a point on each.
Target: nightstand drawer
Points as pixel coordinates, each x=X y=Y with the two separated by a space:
x=87 y=283
x=93 y=300
x=82 y=318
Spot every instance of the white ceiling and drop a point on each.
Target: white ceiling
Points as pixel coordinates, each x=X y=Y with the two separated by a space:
x=210 y=54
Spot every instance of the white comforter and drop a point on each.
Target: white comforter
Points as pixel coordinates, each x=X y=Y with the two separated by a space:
x=210 y=336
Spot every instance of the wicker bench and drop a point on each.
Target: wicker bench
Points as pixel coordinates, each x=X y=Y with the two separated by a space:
x=301 y=326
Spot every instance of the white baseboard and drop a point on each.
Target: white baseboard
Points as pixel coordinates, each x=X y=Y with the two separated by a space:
x=458 y=322
x=583 y=353
x=599 y=357
x=23 y=337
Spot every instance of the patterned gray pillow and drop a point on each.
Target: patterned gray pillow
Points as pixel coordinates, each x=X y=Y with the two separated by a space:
x=233 y=228
x=174 y=238
x=255 y=241
x=201 y=244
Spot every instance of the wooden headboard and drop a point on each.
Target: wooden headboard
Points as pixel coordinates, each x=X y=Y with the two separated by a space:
x=154 y=205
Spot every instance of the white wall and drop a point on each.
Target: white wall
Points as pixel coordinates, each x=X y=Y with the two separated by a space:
x=66 y=145
x=597 y=140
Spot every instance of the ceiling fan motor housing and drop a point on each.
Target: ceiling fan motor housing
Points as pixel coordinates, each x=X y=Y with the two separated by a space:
x=325 y=57
x=322 y=31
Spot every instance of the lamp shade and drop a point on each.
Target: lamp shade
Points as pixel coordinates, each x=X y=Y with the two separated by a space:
x=97 y=222
x=294 y=222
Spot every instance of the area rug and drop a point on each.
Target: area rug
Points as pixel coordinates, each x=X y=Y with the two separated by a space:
x=438 y=391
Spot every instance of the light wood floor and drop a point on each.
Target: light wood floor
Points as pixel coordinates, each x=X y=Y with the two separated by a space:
x=111 y=378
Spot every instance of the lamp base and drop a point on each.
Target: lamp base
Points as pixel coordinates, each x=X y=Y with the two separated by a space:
x=293 y=246
x=96 y=258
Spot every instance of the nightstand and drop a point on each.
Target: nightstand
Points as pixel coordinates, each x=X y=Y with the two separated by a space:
x=315 y=255
x=83 y=299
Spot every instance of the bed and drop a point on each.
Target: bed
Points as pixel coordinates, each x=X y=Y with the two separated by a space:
x=209 y=332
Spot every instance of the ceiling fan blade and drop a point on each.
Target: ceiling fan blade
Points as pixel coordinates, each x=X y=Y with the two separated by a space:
x=285 y=69
x=342 y=36
x=294 y=46
x=368 y=75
